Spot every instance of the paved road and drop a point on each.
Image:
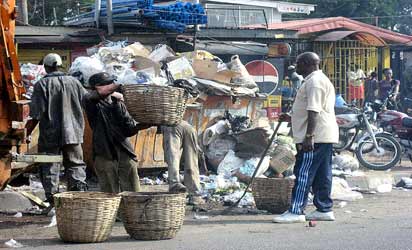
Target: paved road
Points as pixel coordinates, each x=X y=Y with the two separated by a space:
x=381 y=221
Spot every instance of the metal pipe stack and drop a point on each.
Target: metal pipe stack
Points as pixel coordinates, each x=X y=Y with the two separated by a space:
x=174 y=17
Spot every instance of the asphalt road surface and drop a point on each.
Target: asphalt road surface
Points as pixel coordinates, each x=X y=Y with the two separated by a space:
x=379 y=221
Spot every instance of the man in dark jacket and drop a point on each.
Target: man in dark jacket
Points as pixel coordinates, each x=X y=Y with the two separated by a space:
x=114 y=157
x=56 y=107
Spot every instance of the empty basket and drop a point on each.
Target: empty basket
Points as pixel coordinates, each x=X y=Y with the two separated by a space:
x=272 y=194
x=85 y=216
x=153 y=216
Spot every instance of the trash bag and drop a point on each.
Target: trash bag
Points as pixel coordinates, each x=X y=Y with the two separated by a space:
x=216 y=151
x=242 y=77
x=161 y=52
x=84 y=67
x=345 y=162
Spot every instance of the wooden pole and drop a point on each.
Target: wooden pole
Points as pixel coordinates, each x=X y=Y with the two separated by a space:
x=109 y=8
x=97 y=8
x=24 y=12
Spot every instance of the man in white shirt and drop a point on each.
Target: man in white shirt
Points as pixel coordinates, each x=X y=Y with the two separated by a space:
x=314 y=131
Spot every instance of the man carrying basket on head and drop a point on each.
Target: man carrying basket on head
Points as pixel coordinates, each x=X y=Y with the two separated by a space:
x=114 y=158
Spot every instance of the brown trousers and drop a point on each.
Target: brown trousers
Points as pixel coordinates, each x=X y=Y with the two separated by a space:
x=116 y=176
x=179 y=141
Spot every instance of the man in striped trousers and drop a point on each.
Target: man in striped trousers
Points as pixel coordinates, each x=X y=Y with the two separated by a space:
x=314 y=130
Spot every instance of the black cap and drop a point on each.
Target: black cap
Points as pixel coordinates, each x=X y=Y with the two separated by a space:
x=101 y=79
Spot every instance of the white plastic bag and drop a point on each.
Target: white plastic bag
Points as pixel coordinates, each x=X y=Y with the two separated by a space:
x=161 y=52
x=242 y=77
x=84 y=67
x=230 y=163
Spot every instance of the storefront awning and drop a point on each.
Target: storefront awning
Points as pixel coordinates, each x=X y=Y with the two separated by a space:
x=364 y=37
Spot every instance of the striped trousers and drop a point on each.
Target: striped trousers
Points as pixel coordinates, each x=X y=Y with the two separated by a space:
x=313 y=170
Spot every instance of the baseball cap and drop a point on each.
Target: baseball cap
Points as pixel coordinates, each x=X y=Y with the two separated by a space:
x=52 y=60
x=291 y=67
x=101 y=79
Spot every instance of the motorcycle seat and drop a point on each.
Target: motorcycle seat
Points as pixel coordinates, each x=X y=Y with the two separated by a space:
x=407 y=122
x=343 y=110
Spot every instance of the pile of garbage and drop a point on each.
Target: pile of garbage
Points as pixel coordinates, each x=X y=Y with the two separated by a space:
x=31 y=73
x=233 y=147
x=174 y=17
x=160 y=65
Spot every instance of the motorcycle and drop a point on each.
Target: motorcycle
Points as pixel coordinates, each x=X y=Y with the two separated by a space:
x=375 y=149
x=394 y=122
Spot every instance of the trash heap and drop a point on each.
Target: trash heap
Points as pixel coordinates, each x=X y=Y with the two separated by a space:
x=233 y=147
x=160 y=65
x=175 y=17
x=31 y=73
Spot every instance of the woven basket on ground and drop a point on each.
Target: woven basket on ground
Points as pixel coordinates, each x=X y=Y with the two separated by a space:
x=153 y=216
x=85 y=216
x=157 y=105
x=272 y=194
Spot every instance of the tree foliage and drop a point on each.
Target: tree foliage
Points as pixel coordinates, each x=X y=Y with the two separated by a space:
x=390 y=14
x=53 y=12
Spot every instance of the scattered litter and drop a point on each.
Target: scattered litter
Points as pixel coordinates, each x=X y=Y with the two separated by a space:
x=53 y=222
x=200 y=217
x=18 y=215
x=312 y=223
x=405 y=182
x=364 y=210
x=384 y=188
x=341 y=191
x=147 y=181
x=345 y=162
x=13 y=244
x=342 y=204
x=348 y=212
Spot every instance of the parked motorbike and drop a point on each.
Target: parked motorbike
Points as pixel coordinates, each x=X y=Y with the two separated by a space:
x=395 y=122
x=374 y=148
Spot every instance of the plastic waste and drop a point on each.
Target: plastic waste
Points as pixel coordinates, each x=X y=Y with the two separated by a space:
x=84 y=67
x=13 y=244
x=53 y=222
x=200 y=217
x=18 y=215
x=161 y=52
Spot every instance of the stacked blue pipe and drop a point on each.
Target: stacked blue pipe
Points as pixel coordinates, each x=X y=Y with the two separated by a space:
x=175 y=17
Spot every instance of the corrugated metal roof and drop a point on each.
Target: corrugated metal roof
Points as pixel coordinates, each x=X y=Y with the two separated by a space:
x=315 y=25
x=47 y=34
x=364 y=37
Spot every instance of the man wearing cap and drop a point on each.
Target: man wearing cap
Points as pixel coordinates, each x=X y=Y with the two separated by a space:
x=56 y=107
x=114 y=157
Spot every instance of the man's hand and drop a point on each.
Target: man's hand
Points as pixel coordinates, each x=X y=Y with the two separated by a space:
x=28 y=139
x=118 y=96
x=107 y=90
x=308 y=144
x=284 y=117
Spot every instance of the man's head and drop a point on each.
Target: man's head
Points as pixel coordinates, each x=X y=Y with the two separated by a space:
x=100 y=79
x=388 y=73
x=374 y=75
x=306 y=63
x=52 y=62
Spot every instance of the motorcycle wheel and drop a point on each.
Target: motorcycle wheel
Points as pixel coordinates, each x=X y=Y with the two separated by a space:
x=388 y=154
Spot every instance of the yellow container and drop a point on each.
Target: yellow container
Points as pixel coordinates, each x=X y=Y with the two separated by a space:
x=273 y=101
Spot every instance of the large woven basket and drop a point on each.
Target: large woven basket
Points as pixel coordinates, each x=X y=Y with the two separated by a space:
x=153 y=216
x=272 y=194
x=157 y=105
x=85 y=217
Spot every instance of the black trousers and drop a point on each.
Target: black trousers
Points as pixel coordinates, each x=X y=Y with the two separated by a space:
x=313 y=170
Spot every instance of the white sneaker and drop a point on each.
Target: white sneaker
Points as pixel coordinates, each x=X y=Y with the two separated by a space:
x=288 y=217
x=319 y=216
